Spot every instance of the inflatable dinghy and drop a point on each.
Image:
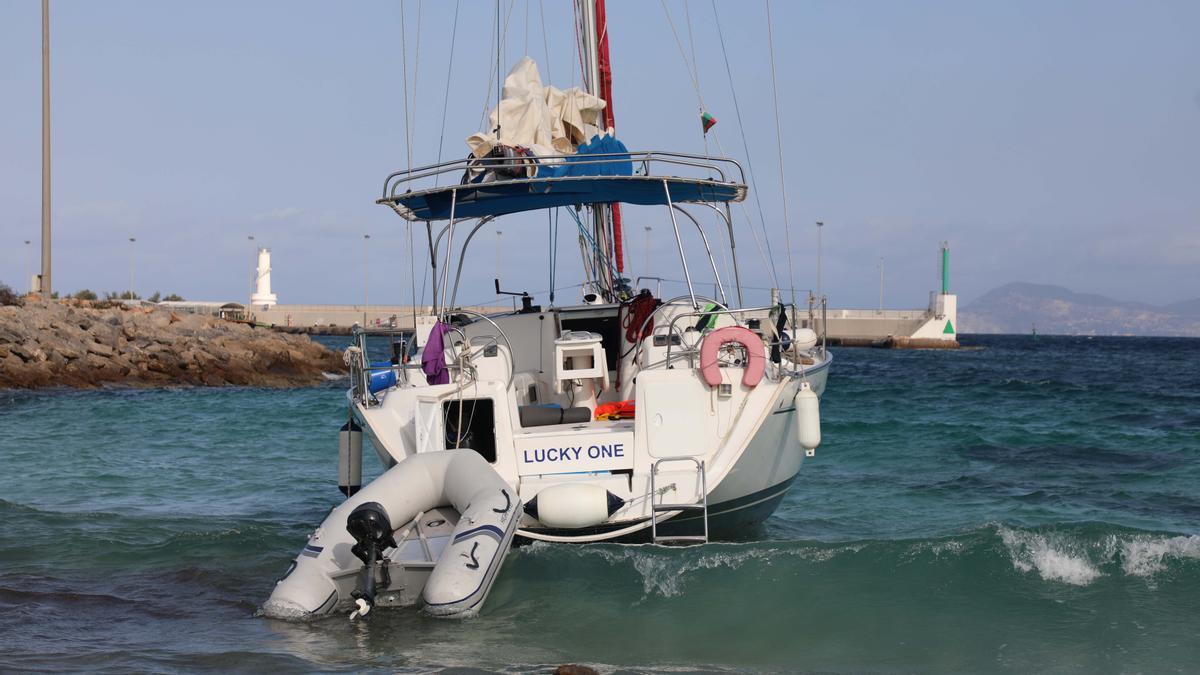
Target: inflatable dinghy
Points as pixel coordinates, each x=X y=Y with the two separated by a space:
x=380 y=546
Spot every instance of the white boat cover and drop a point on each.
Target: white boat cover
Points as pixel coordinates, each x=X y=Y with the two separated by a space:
x=545 y=119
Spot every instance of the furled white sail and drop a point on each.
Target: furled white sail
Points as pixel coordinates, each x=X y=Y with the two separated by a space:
x=545 y=119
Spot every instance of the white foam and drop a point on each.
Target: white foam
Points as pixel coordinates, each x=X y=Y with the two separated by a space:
x=283 y=609
x=1146 y=556
x=1053 y=558
x=665 y=572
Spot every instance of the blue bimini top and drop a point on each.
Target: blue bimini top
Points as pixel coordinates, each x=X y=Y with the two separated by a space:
x=476 y=200
x=601 y=172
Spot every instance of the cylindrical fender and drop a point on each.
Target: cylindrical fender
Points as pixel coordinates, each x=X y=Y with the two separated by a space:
x=350 y=458
x=573 y=505
x=808 y=417
x=756 y=360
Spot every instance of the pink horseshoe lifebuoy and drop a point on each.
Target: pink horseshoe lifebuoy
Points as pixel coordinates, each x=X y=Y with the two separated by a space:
x=756 y=366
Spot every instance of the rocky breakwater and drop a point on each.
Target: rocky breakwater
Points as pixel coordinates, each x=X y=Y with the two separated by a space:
x=63 y=344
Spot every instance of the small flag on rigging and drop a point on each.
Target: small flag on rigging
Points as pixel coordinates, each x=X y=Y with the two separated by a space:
x=707 y=121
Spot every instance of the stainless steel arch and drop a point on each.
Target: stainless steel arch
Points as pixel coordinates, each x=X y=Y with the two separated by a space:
x=435 y=245
x=463 y=254
x=707 y=249
x=737 y=274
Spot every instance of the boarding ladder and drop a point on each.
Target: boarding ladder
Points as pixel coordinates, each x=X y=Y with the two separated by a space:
x=657 y=507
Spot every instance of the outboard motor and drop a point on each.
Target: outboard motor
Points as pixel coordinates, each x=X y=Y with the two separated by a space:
x=369 y=525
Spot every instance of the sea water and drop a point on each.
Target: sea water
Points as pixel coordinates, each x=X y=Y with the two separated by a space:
x=1024 y=505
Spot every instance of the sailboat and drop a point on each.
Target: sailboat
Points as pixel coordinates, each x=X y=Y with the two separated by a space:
x=625 y=417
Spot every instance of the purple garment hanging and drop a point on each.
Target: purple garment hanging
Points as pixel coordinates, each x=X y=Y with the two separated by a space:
x=433 y=363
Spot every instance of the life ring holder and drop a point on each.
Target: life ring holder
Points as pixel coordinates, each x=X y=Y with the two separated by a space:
x=756 y=362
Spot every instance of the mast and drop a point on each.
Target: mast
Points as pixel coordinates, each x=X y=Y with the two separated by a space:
x=589 y=61
x=592 y=32
x=604 y=74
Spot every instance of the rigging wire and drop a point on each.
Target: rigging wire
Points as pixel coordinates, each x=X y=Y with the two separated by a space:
x=745 y=145
x=446 y=96
x=412 y=276
x=687 y=64
x=768 y=262
x=587 y=241
x=491 y=66
x=545 y=40
x=410 y=105
x=412 y=130
x=787 y=228
x=693 y=73
x=584 y=74
x=404 y=80
x=410 y=108
x=499 y=64
x=552 y=224
x=687 y=15
x=496 y=47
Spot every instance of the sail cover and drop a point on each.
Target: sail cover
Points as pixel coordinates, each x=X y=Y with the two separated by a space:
x=547 y=120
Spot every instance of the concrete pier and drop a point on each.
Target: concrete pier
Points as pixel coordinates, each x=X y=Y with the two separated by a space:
x=339 y=318
x=931 y=328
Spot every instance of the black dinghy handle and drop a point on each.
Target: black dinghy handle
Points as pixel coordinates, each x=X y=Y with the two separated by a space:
x=507 y=503
x=474 y=564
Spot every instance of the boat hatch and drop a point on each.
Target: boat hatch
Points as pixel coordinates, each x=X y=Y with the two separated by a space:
x=471 y=423
x=603 y=321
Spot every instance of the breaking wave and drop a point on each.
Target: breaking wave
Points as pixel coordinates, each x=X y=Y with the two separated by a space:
x=1076 y=555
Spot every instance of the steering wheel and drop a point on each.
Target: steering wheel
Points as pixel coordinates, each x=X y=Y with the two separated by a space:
x=512 y=357
x=699 y=299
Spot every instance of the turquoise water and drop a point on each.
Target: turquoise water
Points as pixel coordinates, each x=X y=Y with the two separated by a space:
x=1030 y=505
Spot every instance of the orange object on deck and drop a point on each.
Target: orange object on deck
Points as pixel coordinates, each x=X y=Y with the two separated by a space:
x=618 y=410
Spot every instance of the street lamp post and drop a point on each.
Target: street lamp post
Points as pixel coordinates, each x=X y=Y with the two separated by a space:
x=647 y=250
x=131 y=243
x=253 y=275
x=45 y=285
x=820 y=226
x=366 y=276
x=253 y=270
x=29 y=264
x=880 y=284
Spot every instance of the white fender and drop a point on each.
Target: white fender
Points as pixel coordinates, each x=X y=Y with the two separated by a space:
x=573 y=505
x=350 y=458
x=804 y=339
x=325 y=573
x=808 y=417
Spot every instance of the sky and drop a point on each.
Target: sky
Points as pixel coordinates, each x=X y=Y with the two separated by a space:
x=1048 y=142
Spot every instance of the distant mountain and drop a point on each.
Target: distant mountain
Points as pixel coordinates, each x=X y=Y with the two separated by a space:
x=1018 y=307
x=1186 y=308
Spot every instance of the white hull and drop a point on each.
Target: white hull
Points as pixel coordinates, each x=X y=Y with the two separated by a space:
x=751 y=454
